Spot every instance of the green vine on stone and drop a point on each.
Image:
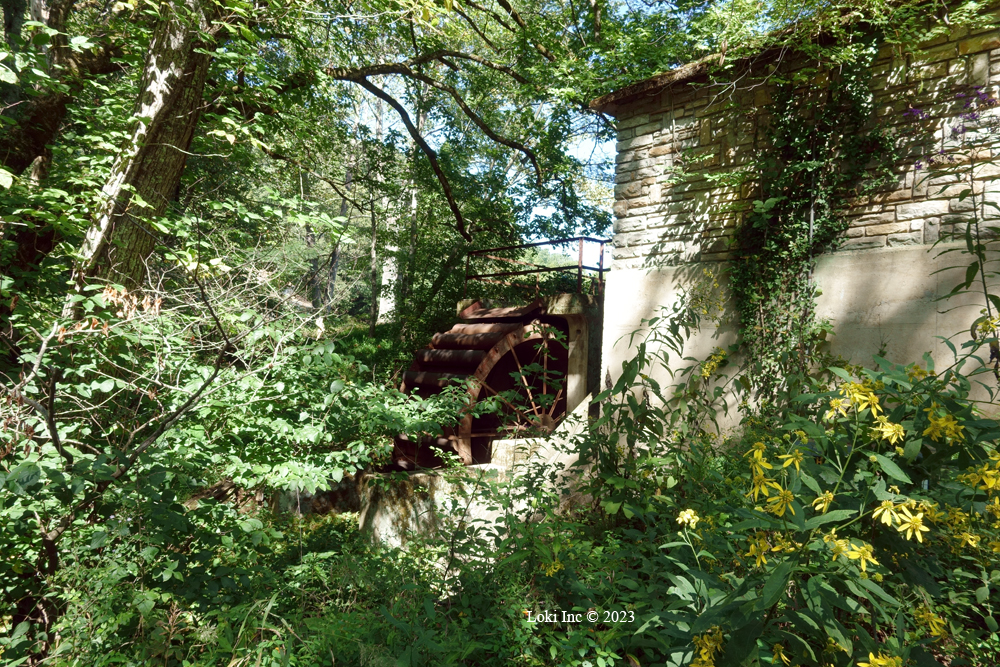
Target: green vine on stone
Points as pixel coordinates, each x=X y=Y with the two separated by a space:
x=816 y=154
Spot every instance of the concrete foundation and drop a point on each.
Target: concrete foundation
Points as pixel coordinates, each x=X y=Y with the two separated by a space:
x=399 y=507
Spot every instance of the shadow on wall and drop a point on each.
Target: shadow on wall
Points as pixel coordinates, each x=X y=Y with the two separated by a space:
x=876 y=300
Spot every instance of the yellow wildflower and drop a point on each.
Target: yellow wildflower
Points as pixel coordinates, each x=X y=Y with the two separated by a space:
x=886 y=430
x=912 y=524
x=781 y=502
x=968 y=539
x=710 y=365
x=838 y=406
x=930 y=511
x=553 y=567
x=935 y=625
x=942 y=425
x=995 y=547
x=993 y=507
x=779 y=654
x=759 y=550
x=822 y=502
x=761 y=484
x=864 y=553
x=688 y=518
x=881 y=660
x=887 y=512
x=706 y=646
x=861 y=397
x=839 y=548
x=795 y=458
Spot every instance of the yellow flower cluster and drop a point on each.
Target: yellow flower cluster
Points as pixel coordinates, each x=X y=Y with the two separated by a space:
x=861 y=396
x=759 y=548
x=942 y=425
x=905 y=520
x=985 y=478
x=688 y=518
x=822 y=502
x=886 y=430
x=706 y=646
x=553 y=567
x=864 y=553
x=915 y=373
x=934 y=624
x=761 y=483
x=710 y=365
x=882 y=660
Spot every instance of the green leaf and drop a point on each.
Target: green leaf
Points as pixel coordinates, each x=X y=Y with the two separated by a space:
x=811 y=482
x=610 y=507
x=982 y=594
x=99 y=539
x=6 y=178
x=835 y=515
x=775 y=586
x=892 y=470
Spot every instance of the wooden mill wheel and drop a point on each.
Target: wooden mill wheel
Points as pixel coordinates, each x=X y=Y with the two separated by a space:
x=515 y=357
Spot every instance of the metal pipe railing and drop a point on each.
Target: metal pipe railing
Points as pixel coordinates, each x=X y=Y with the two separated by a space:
x=537 y=269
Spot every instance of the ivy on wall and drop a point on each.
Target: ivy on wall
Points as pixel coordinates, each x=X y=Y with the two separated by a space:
x=820 y=147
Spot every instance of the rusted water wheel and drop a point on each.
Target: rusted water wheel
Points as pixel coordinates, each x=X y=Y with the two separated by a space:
x=516 y=357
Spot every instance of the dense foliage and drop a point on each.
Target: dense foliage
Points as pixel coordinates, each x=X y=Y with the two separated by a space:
x=227 y=225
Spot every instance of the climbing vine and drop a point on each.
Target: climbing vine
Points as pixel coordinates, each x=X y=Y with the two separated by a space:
x=815 y=154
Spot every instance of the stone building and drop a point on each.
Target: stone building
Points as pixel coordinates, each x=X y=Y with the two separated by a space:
x=683 y=137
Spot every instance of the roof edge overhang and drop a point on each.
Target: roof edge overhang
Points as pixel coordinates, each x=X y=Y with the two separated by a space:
x=688 y=73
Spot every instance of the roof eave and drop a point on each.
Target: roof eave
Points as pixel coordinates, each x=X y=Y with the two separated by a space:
x=610 y=103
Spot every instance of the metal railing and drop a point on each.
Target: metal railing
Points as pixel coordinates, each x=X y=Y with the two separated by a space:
x=538 y=269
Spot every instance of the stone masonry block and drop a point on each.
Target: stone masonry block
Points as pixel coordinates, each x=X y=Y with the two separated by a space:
x=630 y=224
x=863 y=243
x=979 y=69
x=635 y=142
x=633 y=121
x=922 y=209
x=648 y=128
x=874 y=219
x=984 y=42
x=891 y=228
x=912 y=238
x=961 y=206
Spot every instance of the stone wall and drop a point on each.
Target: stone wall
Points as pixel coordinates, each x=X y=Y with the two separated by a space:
x=673 y=142
x=882 y=290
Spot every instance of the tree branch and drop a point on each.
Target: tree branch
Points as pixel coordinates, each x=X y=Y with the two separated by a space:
x=495 y=16
x=475 y=28
x=427 y=150
x=329 y=181
x=481 y=124
x=524 y=26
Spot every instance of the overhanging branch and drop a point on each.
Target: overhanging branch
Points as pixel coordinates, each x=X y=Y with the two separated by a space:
x=427 y=150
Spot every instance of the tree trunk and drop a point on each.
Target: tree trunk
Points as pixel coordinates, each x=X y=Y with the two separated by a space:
x=145 y=175
x=375 y=277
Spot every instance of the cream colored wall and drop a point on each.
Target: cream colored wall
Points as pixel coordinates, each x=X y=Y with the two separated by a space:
x=874 y=299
